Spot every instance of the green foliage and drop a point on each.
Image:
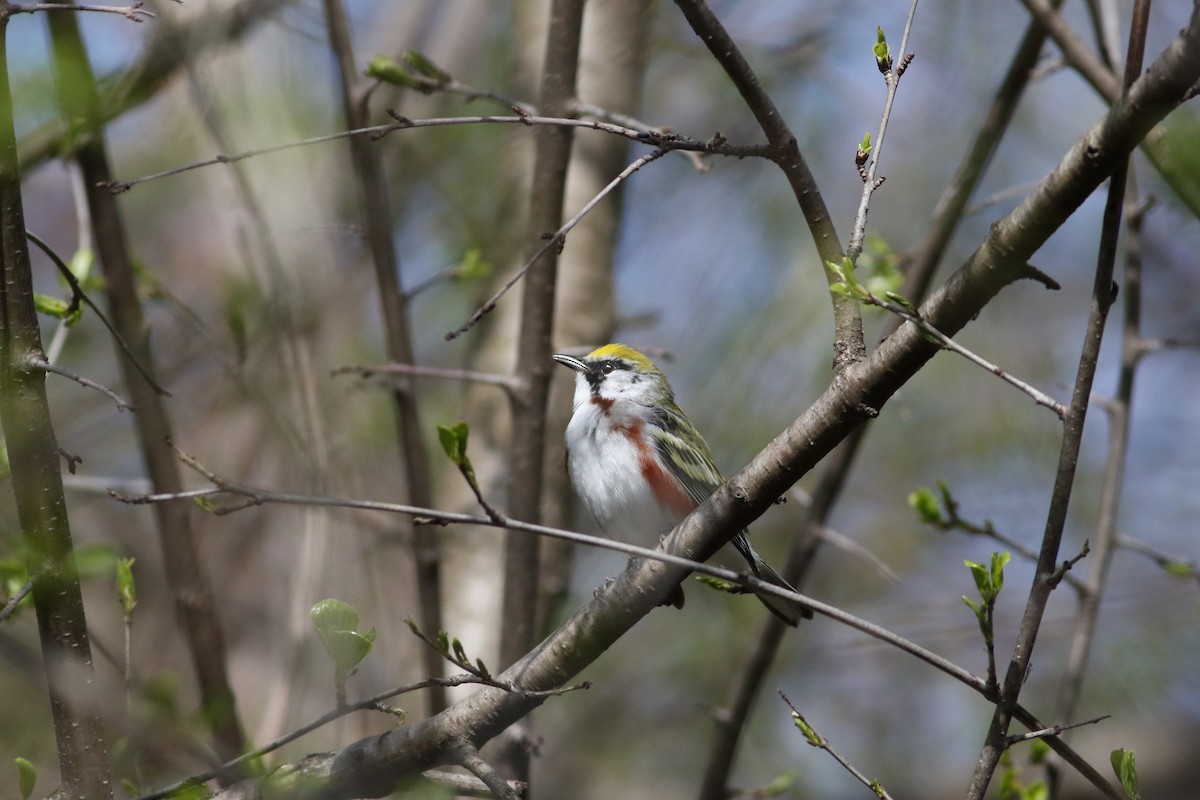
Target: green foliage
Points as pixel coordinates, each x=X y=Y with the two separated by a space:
x=927 y=506
x=452 y=650
x=58 y=308
x=809 y=734
x=988 y=581
x=26 y=776
x=126 y=588
x=454 y=443
x=883 y=55
x=383 y=68
x=846 y=284
x=1126 y=771
x=414 y=71
x=336 y=624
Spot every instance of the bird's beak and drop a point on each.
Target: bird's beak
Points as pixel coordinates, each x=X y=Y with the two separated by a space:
x=572 y=362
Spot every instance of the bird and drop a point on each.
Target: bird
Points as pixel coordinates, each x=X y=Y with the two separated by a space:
x=639 y=465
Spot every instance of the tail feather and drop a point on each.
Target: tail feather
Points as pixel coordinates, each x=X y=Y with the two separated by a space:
x=789 y=611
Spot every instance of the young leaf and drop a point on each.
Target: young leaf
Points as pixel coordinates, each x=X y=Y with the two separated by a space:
x=454 y=441
x=1123 y=766
x=926 y=505
x=336 y=623
x=126 y=589
x=26 y=776
x=807 y=730
x=883 y=56
x=384 y=69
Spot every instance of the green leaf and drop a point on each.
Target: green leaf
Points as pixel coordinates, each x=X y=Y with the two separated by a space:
x=1123 y=765
x=902 y=301
x=864 y=146
x=460 y=653
x=714 y=582
x=1037 y=790
x=976 y=607
x=981 y=576
x=999 y=562
x=1038 y=750
x=883 y=56
x=57 y=307
x=926 y=505
x=454 y=442
x=126 y=589
x=1179 y=569
x=26 y=776
x=385 y=69
x=336 y=624
x=807 y=730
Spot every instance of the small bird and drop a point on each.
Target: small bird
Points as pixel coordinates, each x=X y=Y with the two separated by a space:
x=639 y=465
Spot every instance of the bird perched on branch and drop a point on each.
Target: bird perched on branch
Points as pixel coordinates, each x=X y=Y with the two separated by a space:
x=639 y=465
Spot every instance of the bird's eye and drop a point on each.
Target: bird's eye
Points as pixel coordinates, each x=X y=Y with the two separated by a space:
x=607 y=367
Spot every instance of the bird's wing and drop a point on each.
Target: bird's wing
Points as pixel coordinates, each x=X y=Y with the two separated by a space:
x=684 y=453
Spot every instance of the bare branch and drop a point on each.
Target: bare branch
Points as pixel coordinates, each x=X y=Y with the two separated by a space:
x=368 y=370
x=43 y=364
x=556 y=239
x=1053 y=730
x=663 y=141
x=133 y=12
x=1039 y=397
x=821 y=743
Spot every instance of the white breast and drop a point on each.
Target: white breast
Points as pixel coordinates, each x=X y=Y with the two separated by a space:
x=606 y=472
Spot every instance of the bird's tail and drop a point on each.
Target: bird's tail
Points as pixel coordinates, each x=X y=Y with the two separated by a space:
x=789 y=611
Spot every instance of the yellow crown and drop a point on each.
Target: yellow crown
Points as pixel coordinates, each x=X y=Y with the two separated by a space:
x=624 y=352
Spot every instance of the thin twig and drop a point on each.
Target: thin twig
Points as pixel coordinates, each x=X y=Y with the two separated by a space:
x=1181 y=567
x=133 y=12
x=870 y=184
x=1053 y=730
x=368 y=370
x=13 y=601
x=821 y=743
x=1039 y=397
x=663 y=141
x=78 y=293
x=44 y=365
x=556 y=239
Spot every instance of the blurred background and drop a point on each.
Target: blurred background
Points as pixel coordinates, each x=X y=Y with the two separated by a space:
x=716 y=271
